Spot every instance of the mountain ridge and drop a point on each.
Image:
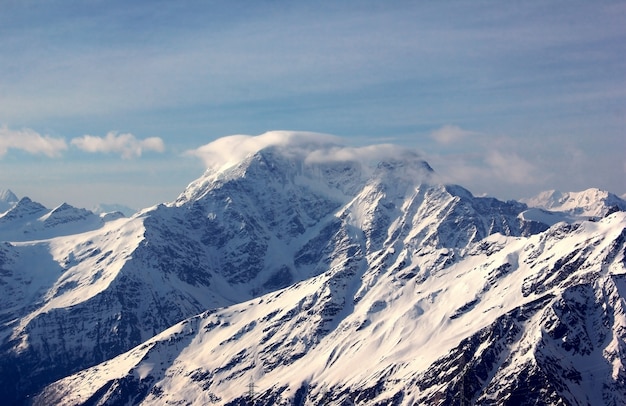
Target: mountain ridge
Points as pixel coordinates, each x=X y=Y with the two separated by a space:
x=229 y=331
x=591 y=202
x=352 y=231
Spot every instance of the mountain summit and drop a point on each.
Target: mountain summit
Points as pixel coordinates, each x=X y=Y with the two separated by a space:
x=8 y=199
x=299 y=271
x=590 y=203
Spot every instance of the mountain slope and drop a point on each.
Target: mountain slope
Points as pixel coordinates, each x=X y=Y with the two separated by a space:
x=538 y=319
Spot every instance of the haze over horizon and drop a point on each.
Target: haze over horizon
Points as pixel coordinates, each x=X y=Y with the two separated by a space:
x=106 y=102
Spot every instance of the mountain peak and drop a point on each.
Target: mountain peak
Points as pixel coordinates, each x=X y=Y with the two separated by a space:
x=111 y=208
x=66 y=214
x=8 y=199
x=308 y=157
x=227 y=152
x=24 y=207
x=592 y=202
x=7 y=196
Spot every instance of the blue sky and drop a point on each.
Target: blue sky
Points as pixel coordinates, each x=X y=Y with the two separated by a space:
x=101 y=101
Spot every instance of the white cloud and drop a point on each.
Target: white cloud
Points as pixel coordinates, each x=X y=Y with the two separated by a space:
x=500 y=162
x=511 y=167
x=227 y=151
x=124 y=144
x=496 y=171
x=30 y=141
x=449 y=134
x=309 y=146
x=370 y=153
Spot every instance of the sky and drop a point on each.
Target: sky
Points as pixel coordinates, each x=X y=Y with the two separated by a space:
x=111 y=102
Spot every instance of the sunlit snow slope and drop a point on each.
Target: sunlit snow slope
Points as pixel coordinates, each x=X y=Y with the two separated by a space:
x=513 y=319
x=321 y=273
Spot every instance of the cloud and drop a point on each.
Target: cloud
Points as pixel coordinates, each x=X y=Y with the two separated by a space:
x=310 y=148
x=124 y=144
x=449 y=134
x=367 y=154
x=230 y=150
x=489 y=158
x=30 y=141
x=498 y=171
x=511 y=167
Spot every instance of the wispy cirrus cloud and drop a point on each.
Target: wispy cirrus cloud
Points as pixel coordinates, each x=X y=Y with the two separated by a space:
x=126 y=145
x=30 y=141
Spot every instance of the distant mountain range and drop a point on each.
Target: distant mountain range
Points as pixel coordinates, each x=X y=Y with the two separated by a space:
x=105 y=208
x=590 y=203
x=300 y=275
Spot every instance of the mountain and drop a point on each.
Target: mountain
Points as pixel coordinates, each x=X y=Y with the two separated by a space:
x=106 y=208
x=321 y=273
x=8 y=199
x=587 y=203
x=28 y=220
x=537 y=320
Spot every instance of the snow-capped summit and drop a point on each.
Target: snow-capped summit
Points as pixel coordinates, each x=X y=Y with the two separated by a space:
x=312 y=160
x=107 y=209
x=8 y=200
x=29 y=220
x=24 y=210
x=65 y=214
x=587 y=203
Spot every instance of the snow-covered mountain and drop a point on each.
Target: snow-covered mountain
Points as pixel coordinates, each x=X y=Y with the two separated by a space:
x=587 y=203
x=108 y=208
x=8 y=199
x=513 y=319
x=28 y=220
x=318 y=273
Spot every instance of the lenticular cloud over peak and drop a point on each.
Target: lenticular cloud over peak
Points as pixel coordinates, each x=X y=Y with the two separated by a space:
x=310 y=147
x=229 y=150
x=315 y=160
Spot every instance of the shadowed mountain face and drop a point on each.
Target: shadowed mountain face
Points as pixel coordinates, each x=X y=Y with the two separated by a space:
x=333 y=280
